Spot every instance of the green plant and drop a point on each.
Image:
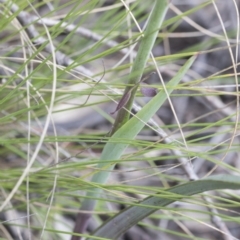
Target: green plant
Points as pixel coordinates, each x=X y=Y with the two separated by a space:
x=65 y=66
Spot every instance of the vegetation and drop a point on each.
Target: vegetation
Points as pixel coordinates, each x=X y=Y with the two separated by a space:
x=119 y=120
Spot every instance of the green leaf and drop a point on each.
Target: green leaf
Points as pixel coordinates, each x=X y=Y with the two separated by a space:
x=129 y=130
x=120 y=223
x=150 y=34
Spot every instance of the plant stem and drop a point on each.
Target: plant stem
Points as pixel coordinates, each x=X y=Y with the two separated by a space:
x=150 y=35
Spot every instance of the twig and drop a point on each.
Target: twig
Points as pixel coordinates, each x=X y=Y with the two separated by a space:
x=80 y=30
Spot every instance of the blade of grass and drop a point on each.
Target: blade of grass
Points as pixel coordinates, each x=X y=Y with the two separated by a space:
x=114 y=150
x=155 y=21
x=120 y=223
x=149 y=38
